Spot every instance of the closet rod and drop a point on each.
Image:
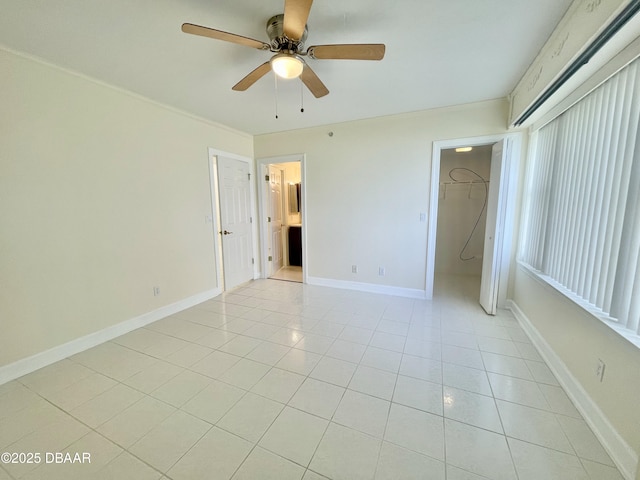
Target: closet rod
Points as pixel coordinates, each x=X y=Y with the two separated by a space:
x=470 y=182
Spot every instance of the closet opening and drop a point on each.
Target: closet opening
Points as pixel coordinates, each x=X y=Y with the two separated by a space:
x=471 y=212
x=462 y=214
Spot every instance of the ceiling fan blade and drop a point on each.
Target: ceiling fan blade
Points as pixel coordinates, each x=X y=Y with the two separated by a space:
x=224 y=36
x=252 y=78
x=313 y=83
x=355 y=51
x=296 y=13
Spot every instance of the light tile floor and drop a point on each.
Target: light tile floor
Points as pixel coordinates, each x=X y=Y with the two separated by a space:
x=288 y=273
x=278 y=380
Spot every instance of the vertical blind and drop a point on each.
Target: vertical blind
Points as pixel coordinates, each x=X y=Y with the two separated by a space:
x=581 y=224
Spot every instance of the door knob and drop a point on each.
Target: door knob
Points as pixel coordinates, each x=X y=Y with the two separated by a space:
x=227 y=232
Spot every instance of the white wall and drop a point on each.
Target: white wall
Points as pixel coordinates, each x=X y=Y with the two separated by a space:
x=103 y=195
x=367 y=184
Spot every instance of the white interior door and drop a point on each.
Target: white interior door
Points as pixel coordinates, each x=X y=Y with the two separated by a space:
x=275 y=214
x=493 y=232
x=235 y=221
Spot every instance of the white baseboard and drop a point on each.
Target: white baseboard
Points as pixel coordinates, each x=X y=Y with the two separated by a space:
x=368 y=287
x=30 y=364
x=618 y=449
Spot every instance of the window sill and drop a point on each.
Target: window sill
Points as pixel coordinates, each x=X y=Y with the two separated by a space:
x=545 y=280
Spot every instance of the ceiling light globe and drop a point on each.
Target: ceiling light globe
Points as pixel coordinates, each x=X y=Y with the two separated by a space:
x=287 y=65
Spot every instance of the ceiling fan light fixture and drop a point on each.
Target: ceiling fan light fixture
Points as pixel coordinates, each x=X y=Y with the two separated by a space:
x=287 y=65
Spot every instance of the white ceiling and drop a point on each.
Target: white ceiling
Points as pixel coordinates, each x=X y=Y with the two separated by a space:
x=439 y=53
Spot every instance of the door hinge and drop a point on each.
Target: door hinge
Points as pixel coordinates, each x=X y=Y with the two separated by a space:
x=266 y=178
x=249 y=176
x=250 y=219
x=268 y=219
x=270 y=258
x=253 y=261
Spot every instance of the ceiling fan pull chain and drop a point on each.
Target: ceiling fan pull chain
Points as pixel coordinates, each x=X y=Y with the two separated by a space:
x=275 y=77
x=301 y=98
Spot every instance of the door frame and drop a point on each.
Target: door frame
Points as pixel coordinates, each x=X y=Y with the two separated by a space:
x=261 y=163
x=214 y=219
x=505 y=208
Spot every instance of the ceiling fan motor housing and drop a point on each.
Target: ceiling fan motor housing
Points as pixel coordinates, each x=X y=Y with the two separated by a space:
x=278 y=40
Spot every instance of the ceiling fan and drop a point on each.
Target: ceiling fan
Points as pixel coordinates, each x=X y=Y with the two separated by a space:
x=287 y=33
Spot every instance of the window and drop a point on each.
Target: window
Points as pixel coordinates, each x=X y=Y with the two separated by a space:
x=581 y=223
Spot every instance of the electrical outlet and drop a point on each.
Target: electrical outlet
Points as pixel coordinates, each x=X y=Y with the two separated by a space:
x=354 y=268
x=156 y=291
x=600 y=370
x=381 y=271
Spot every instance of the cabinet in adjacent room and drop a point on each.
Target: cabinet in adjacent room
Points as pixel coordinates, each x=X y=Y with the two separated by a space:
x=295 y=245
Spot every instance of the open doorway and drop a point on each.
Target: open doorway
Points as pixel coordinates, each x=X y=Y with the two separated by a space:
x=462 y=214
x=491 y=252
x=281 y=219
